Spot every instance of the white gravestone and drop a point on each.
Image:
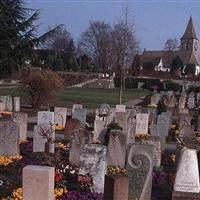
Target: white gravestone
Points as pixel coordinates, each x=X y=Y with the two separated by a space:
x=16 y=107
x=76 y=106
x=120 y=108
x=39 y=141
x=9 y=104
x=9 y=138
x=45 y=117
x=60 y=115
x=80 y=114
x=93 y=161
x=38 y=183
x=99 y=128
x=187 y=175
x=142 y=120
x=22 y=120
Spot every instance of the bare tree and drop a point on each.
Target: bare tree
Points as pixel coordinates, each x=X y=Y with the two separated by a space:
x=95 y=42
x=171 y=44
x=124 y=47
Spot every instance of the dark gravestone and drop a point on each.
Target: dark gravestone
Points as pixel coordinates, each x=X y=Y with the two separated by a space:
x=116 y=152
x=116 y=187
x=140 y=168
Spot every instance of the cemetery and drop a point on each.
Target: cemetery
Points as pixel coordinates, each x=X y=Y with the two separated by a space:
x=85 y=114
x=147 y=151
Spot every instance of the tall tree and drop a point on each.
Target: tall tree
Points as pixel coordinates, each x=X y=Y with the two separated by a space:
x=95 y=42
x=17 y=35
x=171 y=44
x=63 y=46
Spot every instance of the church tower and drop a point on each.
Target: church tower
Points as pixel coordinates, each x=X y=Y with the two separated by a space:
x=189 y=40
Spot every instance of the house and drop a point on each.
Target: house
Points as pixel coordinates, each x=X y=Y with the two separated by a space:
x=162 y=60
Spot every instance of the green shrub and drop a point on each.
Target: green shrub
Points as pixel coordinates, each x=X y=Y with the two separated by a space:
x=172 y=86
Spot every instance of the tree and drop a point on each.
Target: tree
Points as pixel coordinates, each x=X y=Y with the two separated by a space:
x=148 y=66
x=17 y=35
x=171 y=44
x=95 y=43
x=42 y=86
x=177 y=63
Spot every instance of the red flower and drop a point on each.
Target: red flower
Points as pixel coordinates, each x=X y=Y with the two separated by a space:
x=58 y=177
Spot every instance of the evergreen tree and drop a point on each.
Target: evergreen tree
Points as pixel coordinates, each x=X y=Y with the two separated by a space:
x=17 y=35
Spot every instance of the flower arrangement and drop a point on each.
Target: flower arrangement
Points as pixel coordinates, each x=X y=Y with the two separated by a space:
x=152 y=106
x=115 y=170
x=142 y=136
x=5 y=114
x=173 y=157
x=6 y=160
x=85 y=182
x=59 y=127
x=62 y=146
x=17 y=194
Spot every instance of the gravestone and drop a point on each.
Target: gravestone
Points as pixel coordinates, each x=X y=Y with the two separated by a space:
x=155 y=141
x=93 y=161
x=116 y=187
x=104 y=113
x=60 y=115
x=116 y=152
x=191 y=102
x=45 y=117
x=184 y=120
x=120 y=108
x=131 y=126
x=80 y=114
x=182 y=101
x=38 y=182
x=39 y=141
x=187 y=134
x=2 y=103
x=152 y=115
x=140 y=84
x=79 y=138
x=187 y=175
x=76 y=106
x=21 y=119
x=9 y=103
x=9 y=138
x=142 y=120
x=16 y=103
x=121 y=118
x=140 y=168
x=99 y=130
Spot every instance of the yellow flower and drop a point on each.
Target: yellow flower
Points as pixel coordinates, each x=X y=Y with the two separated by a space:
x=6 y=160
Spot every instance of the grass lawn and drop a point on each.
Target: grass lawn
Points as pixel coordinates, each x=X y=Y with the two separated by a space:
x=90 y=98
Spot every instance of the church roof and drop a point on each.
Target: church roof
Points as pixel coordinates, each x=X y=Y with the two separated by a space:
x=190 y=30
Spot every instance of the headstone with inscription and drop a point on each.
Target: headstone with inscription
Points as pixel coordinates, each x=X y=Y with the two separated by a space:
x=38 y=182
x=60 y=115
x=187 y=175
x=116 y=152
x=79 y=138
x=122 y=118
x=191 y=102
x=152 y=115
x=155 y=141
x=76 y=106
x=9 y=138
x=93 y=161
x=142 y=120
x=45 y=117
x=21 y=119
x=140 y=168
x=182 y=101
x=80 y=114
x=184 y=120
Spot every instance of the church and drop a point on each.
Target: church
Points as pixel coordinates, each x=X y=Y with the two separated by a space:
x=162 y=60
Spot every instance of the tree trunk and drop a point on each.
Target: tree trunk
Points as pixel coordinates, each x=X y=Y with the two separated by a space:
x=47 y=148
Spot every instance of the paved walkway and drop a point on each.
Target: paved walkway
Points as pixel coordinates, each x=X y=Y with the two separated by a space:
x=134 y=101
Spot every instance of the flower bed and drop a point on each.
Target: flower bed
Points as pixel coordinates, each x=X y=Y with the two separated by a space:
x=68 y=184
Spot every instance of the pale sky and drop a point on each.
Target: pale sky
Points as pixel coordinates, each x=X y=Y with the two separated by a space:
x=155 y=21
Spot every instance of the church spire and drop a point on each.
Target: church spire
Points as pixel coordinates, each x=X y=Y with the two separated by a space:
x=190 y=31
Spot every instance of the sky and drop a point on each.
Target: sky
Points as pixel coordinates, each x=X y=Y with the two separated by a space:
x=154 y=20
